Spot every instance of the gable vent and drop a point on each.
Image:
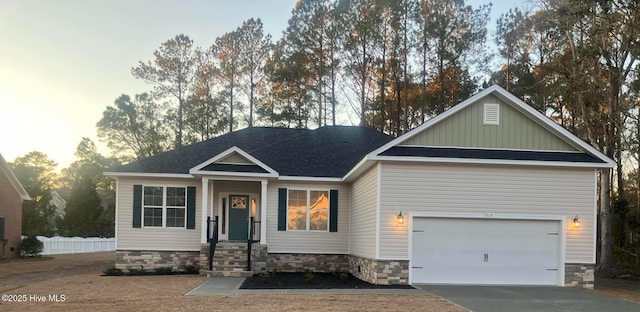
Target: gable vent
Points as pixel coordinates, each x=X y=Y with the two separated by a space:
x=491 y=114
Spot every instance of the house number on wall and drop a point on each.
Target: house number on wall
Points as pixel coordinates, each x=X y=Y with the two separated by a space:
x=488 y=215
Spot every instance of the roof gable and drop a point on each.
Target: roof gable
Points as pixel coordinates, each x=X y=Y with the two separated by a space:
x=539 y=132
x=513 y=130
x=233 y=161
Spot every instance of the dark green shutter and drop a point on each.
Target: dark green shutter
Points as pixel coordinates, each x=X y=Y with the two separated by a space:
x=282 y=209
x=191 y=207
x=333 y=211
x=137 y=206
x=1 y=228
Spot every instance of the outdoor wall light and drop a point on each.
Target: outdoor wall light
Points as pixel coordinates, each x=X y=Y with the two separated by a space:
x=576 y=222
x=400 y=218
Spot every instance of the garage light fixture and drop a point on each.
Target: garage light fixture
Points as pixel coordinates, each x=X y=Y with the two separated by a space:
x=400 y=218
x=576 y=222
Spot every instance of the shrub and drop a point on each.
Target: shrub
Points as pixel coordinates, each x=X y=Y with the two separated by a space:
x=343 y=277
x=137 y=272
x=190 y=269
x=308 y=275
x=163 y=271
x=113 y=272
x=265 y=277
x=31 y=246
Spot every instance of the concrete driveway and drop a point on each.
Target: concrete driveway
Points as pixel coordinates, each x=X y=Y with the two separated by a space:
x=524 y=298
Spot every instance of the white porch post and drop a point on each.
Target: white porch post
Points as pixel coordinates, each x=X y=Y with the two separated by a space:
x=263 y=212
x=204 y=210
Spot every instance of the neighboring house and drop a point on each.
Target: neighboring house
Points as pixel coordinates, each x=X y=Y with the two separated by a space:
x=59 y=198
x=11 y=196
x=485 y=193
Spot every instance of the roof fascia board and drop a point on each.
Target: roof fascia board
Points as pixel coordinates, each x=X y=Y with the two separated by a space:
x=355 y=170
x=149 y=175
x=233 y=173
x=234 y=149
x=491 y=161
x=311 y=179
x=17 y=186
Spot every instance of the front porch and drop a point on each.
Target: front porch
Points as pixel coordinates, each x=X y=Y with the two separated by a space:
x=233 y=214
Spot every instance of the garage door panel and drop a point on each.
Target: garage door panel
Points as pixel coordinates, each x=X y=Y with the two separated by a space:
x=485 y=251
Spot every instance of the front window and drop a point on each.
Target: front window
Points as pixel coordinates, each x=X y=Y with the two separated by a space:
x=176 y=206
x=153 y=206
x=165 y=206
x=308 y=210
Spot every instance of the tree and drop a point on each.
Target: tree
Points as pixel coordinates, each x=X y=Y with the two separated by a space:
x=360 y=20
x=290 y=88
x=36 y=173
x=314 y=32
x=83 y=213
x=172 y=73
x=88 y=213
x=255 y=47
x=134 y=129
x=455 y=33
x=207 y=115
x=226 y=53
x=89 y=162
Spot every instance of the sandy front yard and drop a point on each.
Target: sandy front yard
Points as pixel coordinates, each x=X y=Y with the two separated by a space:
x=77 y=277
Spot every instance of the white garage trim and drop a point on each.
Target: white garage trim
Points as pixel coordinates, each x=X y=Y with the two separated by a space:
x=492 y=216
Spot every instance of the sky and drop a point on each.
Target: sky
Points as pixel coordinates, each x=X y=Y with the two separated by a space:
x=62 y=62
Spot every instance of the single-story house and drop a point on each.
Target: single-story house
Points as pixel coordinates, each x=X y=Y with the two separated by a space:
x=11 y=196
x=489 y=192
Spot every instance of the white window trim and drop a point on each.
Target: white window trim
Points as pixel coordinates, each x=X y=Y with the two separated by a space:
x=165 y=207
x=308 y=212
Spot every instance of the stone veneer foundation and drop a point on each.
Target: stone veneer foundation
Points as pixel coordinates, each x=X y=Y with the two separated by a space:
x=579 y=275
x=313 y=262
x=152 y=259
x=381 y=272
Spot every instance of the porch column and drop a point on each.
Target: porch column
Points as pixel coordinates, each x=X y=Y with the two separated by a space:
x=263 y=212
x=203 y=208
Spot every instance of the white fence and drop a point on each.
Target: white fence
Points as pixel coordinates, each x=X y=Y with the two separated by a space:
x=67 y=245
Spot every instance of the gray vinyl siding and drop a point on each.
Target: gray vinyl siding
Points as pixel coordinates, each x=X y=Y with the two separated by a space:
x=153 y=238
x=466 y=129
x=317 y=242
x=364 y=201
x=487 y=189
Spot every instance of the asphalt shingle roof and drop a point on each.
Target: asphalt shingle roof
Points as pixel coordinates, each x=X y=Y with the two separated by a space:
x=325 y=152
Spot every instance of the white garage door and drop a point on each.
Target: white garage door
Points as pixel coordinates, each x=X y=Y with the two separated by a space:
x=485 y=251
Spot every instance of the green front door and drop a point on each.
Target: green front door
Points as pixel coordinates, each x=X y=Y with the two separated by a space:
x=238 y=217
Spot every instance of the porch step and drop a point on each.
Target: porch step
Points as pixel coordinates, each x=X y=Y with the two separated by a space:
x=216 y=273
x=230 y=259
